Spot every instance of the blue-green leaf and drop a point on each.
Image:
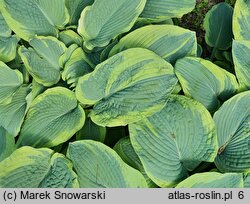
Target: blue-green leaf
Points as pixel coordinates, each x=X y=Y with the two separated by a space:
x=116 y=17
x=76 y=66
x=53 y=118
x=69 y=37
x=218 y=26
x=30 y=166
x=232 y=123
x=7 y=144
x=127 y=87
x=12 y=114
x=159 y=39
x=33 y=168
x=212 y=180
x=241 y=20
x=10 y=81
x=166 y=9
x=29 y=18
x=101 y=167
x=174 y=140
x=205 y=81
x=241 y=58
x=60 y=174
x=75 y=8
x=126 y=151
x=8 y=48
x=5 y=30
x=42 y=61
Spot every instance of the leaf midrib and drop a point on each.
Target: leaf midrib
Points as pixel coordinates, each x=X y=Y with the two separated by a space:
x=45 y=15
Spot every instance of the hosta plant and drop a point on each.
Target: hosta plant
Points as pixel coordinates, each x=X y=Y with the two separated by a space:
x=113 y=93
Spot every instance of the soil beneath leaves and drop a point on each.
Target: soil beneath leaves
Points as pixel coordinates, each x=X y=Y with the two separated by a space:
x=194 y=21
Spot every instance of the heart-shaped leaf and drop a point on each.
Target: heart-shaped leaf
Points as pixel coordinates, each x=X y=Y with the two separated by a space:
x=205 y=81
x=127 y=87
x=53 y=118
x=232 y=123
x=174 y=140
x=35 y=168
x=30 y=167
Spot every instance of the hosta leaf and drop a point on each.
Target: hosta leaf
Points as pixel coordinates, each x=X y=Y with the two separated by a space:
x=28 y=18
x=53 y=118
x=12 y=114
x=105 y=52
x=126 y=151
x=165 y=9
x=159 y=39
x=127 y=87
x=241 y=57
x=67 y=54
x=42 y=61
x=95 y=57
x=174 y=140
x=48 y=48
x=5 y=31
x=232 y=123
x=142 y=22
x=37 y=89
x=28 y=167
x=69 y=37
x=25 y=168
x=241 y=20
x=7 y=144
x=75 y=8
x=10 y=81
x=60 y=174
x=218 y=26
x=8 y=46
x=205 y=81
x=91 y=131
x=102 y=167
x=76 y=66
x=213 y=180
x=117 y=16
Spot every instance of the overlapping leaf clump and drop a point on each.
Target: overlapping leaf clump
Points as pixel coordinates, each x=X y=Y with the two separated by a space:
x=110 y=93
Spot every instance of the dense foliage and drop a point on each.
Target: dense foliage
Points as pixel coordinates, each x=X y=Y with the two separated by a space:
x=114 y=93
